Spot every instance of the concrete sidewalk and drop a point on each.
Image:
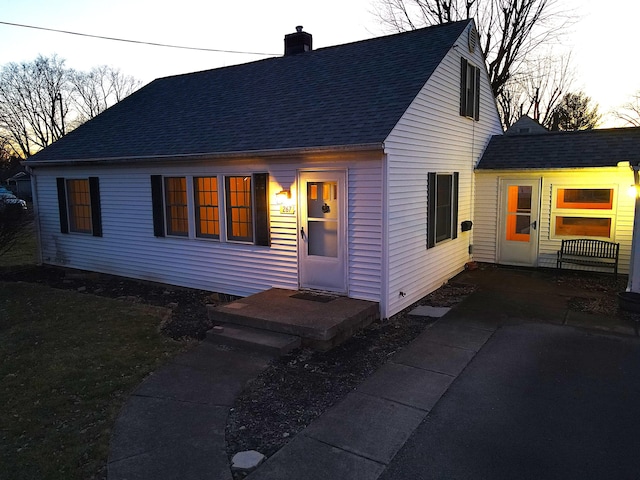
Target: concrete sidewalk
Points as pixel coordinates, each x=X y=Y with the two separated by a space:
x=173 y=426
x=398 y=423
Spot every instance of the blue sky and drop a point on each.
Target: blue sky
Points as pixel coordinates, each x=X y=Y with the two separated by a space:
x=602 y=42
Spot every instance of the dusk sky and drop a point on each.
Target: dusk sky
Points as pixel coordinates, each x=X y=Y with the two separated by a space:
x=602 y=41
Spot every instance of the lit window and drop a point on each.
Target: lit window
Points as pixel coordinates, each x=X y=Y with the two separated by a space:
x=207 y=213
x=239 y=223
x=585 y=198
x=583 y=212
x=79 y=204
x=176 y=209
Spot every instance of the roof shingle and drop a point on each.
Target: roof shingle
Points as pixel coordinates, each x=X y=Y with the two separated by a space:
x=350 y=94
x=586 y=148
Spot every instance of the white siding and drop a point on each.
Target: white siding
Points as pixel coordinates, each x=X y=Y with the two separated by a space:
x=129 y=248
x=488 y=208
x=432 y=137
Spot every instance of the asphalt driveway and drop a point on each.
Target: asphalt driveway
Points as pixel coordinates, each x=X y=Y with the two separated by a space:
x=538 y=401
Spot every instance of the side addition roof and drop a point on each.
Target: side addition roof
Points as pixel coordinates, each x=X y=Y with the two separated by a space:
x=346 y=95
x=587 y=148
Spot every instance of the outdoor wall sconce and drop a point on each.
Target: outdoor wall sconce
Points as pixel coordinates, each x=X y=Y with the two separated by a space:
x=466 y=225
x=283 y=196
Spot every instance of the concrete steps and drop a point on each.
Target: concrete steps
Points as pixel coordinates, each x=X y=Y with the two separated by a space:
x=320 y=321
x=255 y=339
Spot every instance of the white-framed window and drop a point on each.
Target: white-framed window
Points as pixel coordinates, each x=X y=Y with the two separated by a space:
x=196 y=207
x=79 y=205
x=583 y=211
x=469 y=90
x=442 y=207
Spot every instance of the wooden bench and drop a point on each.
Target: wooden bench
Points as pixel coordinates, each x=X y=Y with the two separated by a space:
x=591 y=253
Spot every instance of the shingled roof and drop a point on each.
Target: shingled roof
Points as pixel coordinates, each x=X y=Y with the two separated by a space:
x=346 y=95
x=587 y=148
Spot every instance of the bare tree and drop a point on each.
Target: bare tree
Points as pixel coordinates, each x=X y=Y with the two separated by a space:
x=41 y=101
x=630 y=111
x=575 y=112
x=537 y=91
x=34 y=103
x=99 y=89
x=510 y=30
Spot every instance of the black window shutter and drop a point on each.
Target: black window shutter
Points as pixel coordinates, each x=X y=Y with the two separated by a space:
x=476 y=107
x=463 y=87
x=96 y=212
x=431 y=210
x=261 y=203
x=157 y=203
x=62 y=205
x=454 y=205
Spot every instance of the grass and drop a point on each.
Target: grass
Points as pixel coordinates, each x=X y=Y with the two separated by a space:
x=67 y=364
x=22 y=253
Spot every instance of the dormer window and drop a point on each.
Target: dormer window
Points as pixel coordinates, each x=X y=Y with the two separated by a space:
x=469 y=90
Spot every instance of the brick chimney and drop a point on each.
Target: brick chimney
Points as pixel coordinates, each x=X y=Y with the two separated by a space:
x=298 y=42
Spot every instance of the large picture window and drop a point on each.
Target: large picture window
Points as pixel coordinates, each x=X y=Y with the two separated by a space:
x=79 y=205
x=442 y=204
x=190 y=207
x=583 y=212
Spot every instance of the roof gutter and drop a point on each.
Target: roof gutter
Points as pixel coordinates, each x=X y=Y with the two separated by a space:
x=269 y=153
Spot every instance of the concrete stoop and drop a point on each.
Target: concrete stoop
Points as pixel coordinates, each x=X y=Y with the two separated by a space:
x=320 y=321
x=255 y=339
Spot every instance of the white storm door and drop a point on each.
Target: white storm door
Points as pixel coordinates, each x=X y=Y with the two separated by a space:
x=322 y=250
x=518 y=237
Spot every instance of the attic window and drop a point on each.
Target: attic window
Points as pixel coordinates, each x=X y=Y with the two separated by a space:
x=469 y=90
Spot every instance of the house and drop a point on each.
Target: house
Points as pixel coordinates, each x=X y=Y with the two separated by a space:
x=20 y=185
x=534 y=189
x=346 y=169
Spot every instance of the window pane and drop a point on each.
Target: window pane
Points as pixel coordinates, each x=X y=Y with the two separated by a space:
x=444 y=189
x=207 y=217
x=239 y=215
x=583 y=227
x=176 y=206
x=79 y=205
x=585 y=198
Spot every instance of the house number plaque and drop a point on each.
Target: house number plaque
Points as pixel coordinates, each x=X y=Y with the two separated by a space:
x=287 y=209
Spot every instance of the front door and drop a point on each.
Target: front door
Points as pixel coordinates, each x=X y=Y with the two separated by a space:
x=518 y=237
x=322 y=235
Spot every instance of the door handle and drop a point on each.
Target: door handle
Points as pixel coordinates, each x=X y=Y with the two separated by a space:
x=534 y=225
x=304 y=237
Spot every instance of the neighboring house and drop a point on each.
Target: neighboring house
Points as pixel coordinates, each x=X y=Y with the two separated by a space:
x=346 y=169
x=532 y=190
x=20 y=185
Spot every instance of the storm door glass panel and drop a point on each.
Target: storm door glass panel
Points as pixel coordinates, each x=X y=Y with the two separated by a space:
x=322 y=218
x=79 y=201
x=519 y=213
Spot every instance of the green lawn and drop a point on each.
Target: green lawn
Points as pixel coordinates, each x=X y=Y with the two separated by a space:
x=67 y=364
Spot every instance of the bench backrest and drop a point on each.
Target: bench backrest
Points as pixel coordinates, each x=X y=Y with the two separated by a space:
x=590 y=248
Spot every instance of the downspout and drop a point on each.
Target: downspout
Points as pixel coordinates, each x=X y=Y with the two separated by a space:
x=36 y=214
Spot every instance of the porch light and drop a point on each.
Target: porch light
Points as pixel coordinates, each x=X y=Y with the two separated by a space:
x=283 y=196
x=632 y=191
